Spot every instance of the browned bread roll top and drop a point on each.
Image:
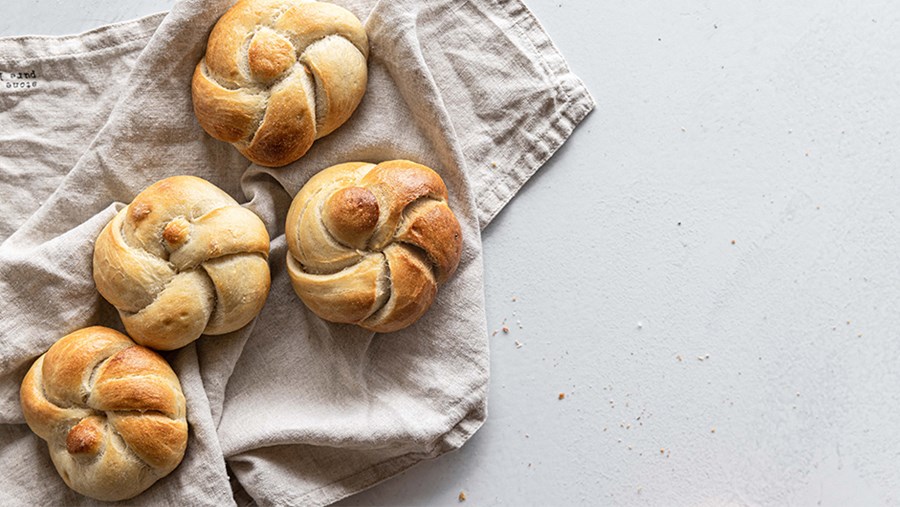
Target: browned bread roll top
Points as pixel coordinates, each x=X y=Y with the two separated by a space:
x=279 y=74
x=369 y=244
x=112 y=413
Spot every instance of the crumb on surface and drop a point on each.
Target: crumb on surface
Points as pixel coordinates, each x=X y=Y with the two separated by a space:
x=462 y=496
x=506 y=329
x=713 y=430
x=562 y=396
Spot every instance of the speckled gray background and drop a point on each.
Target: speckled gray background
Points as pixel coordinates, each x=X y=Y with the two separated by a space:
x=708 y=269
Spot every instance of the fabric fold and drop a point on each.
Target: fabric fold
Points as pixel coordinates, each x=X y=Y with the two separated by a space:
x=302 y=411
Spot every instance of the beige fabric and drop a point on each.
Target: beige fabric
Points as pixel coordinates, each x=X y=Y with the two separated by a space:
x=305 y=412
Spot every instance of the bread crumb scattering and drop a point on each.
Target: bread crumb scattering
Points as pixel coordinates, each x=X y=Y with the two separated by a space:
x=462 y=496
x=505 y=329
x=562 y=396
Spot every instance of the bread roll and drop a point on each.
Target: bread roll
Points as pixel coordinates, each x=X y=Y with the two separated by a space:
x=279 y=74
x=369 y=244
x=183 y=259
x=112 y=413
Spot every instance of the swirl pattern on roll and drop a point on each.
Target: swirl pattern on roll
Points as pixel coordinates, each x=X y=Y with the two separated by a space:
x=279 y=74
x=112 y=413
x=183 y=259
x=370 y=244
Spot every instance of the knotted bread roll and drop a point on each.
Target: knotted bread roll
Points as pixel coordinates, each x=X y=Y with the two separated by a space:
x=112 y=413
x=279 y=74
x=369 y=244
x=181 y=260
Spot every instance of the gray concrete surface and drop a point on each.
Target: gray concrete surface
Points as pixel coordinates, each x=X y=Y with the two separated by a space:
x=708 y=269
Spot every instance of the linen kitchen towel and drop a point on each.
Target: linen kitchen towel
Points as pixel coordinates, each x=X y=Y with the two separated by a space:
x=302 y=411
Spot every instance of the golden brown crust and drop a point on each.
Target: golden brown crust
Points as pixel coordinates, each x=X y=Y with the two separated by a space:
x=158 y=263
x=369 y=244
x=226 y=114
x=351 y=215
x=278 y=74
x=288 y=127
x=413 y=288
x=85 y=437
x=168 y=442
x=112 y=413
x=269 y=55
x=428 y=226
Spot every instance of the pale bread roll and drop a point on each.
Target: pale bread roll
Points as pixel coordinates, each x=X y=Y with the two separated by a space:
x=183 y=259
